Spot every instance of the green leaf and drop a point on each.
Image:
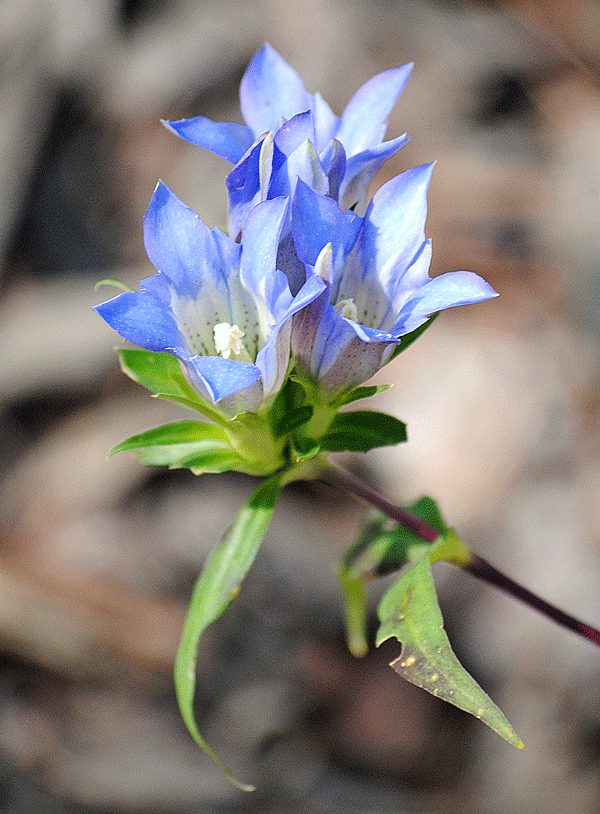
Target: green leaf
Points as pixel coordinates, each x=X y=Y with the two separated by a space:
x=410 y=612
x=196 y=445
x=407 y=340
x=305 y=449
x=223 y=572
x=362 y=393
x=361 y=431
x=160 y=372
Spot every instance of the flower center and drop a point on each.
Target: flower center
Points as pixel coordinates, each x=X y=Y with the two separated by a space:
x=228 y=340
x=347 y=309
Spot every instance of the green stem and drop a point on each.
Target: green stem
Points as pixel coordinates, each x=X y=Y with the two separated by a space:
x=475 y=565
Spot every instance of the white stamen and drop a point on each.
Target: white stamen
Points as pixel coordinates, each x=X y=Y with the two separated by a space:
x=228 y=339
x=347 y=309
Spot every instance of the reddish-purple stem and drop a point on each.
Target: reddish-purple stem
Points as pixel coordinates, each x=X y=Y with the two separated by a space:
x=477 y=566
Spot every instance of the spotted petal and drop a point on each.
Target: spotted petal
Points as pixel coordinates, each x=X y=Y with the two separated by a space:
x=221 y=378
x=142 y=319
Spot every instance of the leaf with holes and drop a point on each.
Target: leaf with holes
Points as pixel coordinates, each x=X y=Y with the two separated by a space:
x=410 y=612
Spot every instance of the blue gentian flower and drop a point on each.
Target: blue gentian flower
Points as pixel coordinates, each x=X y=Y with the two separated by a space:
x=221 y=307
x=376 y=271
x=343 y=153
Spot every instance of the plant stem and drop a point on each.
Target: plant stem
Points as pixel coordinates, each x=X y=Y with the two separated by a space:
x=488 y=573
x=347 y=482
x=477 y=566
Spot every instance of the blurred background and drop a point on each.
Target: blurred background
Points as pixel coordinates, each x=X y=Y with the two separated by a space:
x=98 y=557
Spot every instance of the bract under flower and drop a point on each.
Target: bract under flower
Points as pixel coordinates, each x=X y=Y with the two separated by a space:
x=273 y=99
x=222 y=308
x=376 y=271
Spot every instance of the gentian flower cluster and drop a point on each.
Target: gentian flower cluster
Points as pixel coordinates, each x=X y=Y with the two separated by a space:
x=312 y=281
x=270 y=329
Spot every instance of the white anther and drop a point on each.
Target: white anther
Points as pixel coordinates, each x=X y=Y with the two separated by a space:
x=347 y=309
x=228 y=339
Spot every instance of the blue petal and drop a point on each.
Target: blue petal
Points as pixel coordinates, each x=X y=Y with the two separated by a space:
x=316 y=221
x=312 y=288
x=445 y=291
x=290 y=264
x=356 y=362
x=369 y=335
x=273 y=358
x=365 y=117
x=361 y=169
x=302 y=163
x=349 y=347
x=243 y=188
x=333 y=161
x=142 y=319
x=414 y=277
x=260 y=242
x=326 y=122
x=330 y=349
x=308 y=324
x=395 y=225
x=227 y=139
x=222 y=377
x=295 y=132
x=271 y=90
x=249 y=180
x=181 y=246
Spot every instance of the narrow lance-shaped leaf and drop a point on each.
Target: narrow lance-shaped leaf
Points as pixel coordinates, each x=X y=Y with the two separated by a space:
x=219 y=582
x=354 y=595
x=195 y=445
x=410 y=612
x=362 y=430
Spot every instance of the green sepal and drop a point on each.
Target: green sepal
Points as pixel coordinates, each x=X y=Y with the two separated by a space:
x=409 y=611
x=159 y=372
x=365 y=392
x=220 y=580
x=194 y=445
x=407 y=340
x=292 y=420
x=362 y=430
x=305 y=449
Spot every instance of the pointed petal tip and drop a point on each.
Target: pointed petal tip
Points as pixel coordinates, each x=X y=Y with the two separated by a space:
x=161 y=196
x=169 y=126
x=403 y=72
